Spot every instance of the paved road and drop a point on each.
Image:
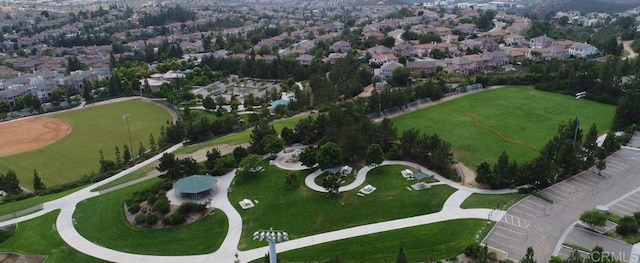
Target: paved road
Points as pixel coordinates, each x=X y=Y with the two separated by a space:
x=397 y=35
x=589 y=240
x=539 y=224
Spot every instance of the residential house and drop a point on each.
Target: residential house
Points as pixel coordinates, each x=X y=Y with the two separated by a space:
x=514 y=40
x=382 y=59
x=582 y=50
x=404 y=49
x=466 y=28
x=379 y=50
x=516 y=55
x=305 y=59
x=457 y=65
x=341 y=46
x=541 y=42
x=386 y=71
x=422 y=66
x=333 y=57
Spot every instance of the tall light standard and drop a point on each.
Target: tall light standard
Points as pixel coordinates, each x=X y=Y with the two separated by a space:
x=579 y=95
x=272 y=236
x=126 y=118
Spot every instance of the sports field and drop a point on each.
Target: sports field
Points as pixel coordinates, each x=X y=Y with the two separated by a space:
x=519 y=120
x=76 y=154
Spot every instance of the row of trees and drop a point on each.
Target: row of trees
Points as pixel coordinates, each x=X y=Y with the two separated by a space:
x=564 y=155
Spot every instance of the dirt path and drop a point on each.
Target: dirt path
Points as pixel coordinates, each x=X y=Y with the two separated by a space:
x=468 y=175
x=627 y=47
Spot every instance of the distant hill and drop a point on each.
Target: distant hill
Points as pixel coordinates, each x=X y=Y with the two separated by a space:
x=586 y=6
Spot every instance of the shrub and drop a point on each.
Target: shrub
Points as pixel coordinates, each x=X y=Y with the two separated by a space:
x=174 y=219
x=636 y=215
x=190 y=207
x=152 y=219
x=628 y=225
x=133 y=208
x=162 y=206
x=493 y=257
x=140 y=219
x=151 y=199
x=166 y=185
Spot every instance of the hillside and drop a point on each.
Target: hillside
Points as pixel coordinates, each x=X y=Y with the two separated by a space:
x=586 y=6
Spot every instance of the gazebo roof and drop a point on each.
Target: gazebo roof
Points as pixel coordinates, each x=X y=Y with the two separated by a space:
x=333 y=170
x=195 y=184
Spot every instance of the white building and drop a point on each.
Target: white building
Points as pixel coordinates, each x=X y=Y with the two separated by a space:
x=582 y=50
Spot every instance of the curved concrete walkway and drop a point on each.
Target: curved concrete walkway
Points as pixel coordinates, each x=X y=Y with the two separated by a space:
x=226 y=253
x=362 y=176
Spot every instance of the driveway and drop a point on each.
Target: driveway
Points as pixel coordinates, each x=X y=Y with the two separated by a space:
x=539 y=224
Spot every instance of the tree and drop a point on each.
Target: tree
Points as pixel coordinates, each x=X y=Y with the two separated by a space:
x=126 y=153
x=309 y=156
x=329 y=155
x=239 y=153
x=250 y=163
x=374 y=155
x=37 y=182
x=272 y=144
x=401 y=257
x=262 y=130
x=610 y=144
x=400 y=77
x=291 y=179
x=212 y=156
x=141 y=149
x=593 y=218
x=118 y=156
x=169 y=165
x=11 y=184
x=627 y=225
x=388 y=42
x=589 y=145
x=331 y=184
x=601 y=165
x=208 y=103
x=152 y=142
x=484 y=175
x=528 y=257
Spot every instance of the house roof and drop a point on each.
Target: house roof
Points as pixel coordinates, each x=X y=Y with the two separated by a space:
x=195 y=184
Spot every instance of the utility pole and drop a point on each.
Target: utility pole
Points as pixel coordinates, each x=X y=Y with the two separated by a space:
x=126 y=118
x=271 y=236
x=579 y=95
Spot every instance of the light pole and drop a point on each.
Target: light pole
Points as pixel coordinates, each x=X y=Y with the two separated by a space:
x=579 y=95
x=272 y=236
x=126 y=118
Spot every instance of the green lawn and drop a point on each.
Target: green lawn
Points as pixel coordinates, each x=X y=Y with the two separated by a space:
x=39 y=236
x=12 y=207
x=127 y=178
x=525 y=116
x=94 y=129
x=503 y=201
x=421 y=243
x=304 y=212
x=240 y=137
x=102 y=220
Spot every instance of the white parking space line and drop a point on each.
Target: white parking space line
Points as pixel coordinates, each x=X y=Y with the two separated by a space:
x=634 y=198
x=624 y=207
x=505 y=236
x=557 y=191
x=510 y=230
x=528 y=207
x=615 y=210
x=584 y=181
x=593 y=178
x=580 y=185
x=554 y=195
x=630 y=204
x=532 y=202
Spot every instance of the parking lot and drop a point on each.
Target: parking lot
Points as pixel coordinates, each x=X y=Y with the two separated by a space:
x=536 y=223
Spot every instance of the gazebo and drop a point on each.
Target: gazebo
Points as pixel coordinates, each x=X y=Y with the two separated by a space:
x=195 y=186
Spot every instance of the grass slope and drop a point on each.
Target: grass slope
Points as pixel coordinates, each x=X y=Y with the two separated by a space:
x=39 y=236
x=421 y=243
x=94 y=129
x=525 y=117
x=304 y=212
x=16 y=206
x=503 y=201
x=102 y=220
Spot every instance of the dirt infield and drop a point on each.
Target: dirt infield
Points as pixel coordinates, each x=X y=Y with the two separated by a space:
x=30 y=134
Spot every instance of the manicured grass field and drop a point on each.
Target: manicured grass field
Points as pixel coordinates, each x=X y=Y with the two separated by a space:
x=39 y=236
x=525 y=117
x=304 y=212
x=94 y=129
x=240 y=137
x=435 y=241
x=503 y=201
x=12 y=207
x=102 y=220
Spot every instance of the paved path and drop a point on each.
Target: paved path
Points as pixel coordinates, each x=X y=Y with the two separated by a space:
x=228 y=249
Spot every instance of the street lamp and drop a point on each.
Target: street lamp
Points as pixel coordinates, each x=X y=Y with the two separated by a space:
x=579 y=95
x=272 y=236
x=126 y=118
